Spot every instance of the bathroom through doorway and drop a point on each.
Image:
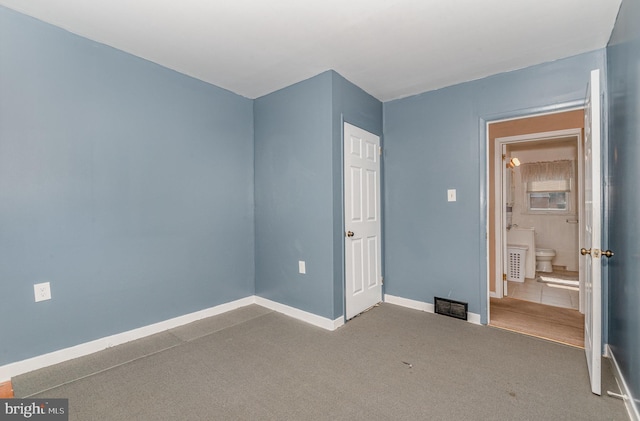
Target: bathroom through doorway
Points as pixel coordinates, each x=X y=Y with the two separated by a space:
x=535 y=175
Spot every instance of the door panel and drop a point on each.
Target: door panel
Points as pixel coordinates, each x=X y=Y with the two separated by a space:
x=357 y=273
x=363 y=262
x=592 y=227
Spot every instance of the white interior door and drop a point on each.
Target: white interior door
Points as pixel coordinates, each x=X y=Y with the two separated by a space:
x=592 y=226
x=363 y=255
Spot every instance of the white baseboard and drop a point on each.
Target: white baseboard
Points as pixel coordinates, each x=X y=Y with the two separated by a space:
x=420 y=305
x=41 y=361
x=302 y=315
x=66 y=354
x=630 y=402
x=405 y=302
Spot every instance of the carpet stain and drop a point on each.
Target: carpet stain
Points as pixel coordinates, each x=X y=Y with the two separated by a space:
x=512 y=394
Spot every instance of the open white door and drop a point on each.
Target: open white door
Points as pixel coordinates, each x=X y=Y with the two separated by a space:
x=363 y=255
x=592 y=226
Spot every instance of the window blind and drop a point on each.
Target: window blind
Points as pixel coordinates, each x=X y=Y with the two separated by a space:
x=549 y=186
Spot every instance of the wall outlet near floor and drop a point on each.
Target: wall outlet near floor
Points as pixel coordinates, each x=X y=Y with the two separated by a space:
x=302 y=267
x=42 y=291
x=451 y=195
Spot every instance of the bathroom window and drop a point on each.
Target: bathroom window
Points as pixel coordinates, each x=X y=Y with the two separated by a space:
x=548 y=201
x=548 y=195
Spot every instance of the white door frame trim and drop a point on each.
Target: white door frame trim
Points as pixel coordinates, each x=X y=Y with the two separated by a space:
x=485 y=187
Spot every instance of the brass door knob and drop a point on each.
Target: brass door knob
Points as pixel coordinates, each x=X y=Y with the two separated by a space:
x=596 y=253
x=349 y=234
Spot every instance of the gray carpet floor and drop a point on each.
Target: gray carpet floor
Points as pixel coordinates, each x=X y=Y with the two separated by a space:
x=390 y=363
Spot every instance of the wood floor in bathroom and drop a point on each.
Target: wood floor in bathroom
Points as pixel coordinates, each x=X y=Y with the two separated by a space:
x=534 y=316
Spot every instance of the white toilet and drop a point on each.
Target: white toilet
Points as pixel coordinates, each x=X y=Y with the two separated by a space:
x=543 y=259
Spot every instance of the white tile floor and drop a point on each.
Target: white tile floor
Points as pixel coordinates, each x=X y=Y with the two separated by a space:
x=542 y=293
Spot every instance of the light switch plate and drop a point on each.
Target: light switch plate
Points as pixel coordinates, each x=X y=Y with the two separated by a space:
x=302 y=267
x=42 y=291
x=451 y=195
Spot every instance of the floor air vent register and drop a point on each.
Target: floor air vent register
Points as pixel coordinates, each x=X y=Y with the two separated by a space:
x=451 y=308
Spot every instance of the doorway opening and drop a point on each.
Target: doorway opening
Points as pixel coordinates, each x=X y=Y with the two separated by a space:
x=535 y=205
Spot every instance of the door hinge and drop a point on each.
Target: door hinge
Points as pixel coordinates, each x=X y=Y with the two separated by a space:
x=382 y=280
x=504 y=276
x=380 y=150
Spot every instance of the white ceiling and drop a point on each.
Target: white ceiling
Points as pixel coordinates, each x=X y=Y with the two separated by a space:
x=390 y=48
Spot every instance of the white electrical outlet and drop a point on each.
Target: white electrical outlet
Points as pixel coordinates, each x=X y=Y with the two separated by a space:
x=42 y=291
x=302 y=267
x=451 y=195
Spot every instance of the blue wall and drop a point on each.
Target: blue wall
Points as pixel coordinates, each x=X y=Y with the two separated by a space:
x=126 y=185
x=623 y=62
x=298 y=164
x=293 y=195
x=436 y=141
